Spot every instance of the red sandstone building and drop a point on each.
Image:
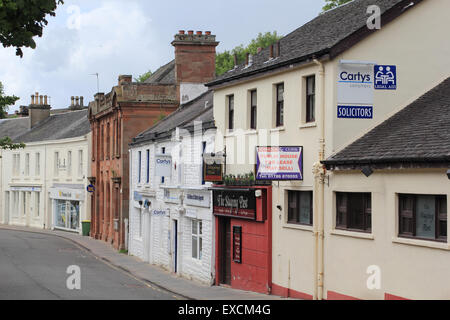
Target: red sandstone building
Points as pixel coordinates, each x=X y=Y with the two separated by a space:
x=131 y=108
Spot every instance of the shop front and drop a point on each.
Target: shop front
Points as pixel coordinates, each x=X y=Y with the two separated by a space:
x=67 y=204
x=243 y=217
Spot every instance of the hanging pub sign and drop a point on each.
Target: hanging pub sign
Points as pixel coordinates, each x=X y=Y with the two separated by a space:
x=237 y=244
x=213 y=167
x=90 y=188
x=279 y=163
x=235 y=203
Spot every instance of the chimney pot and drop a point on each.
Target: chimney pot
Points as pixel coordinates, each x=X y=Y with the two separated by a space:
x=82 y=101
x=77 y=101
x=45 y=100
x=181 y=32
x=208 y=33
x=72 y=101
x=32 y=99
x=191 y=32
x=199 y=33
x=41 y=100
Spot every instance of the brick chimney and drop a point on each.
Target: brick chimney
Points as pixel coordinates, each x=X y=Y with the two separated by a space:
x=76 y=103
x=195 y=62
x=38 y=110
x=195 y=56
x=125 y=79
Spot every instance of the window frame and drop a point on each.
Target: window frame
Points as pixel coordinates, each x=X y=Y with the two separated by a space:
x=310 y=106
x=311 y=218
x=139 y=166
x=279 y=121
x=230 y=108
x=346 y=216
x=199 y=237
x=413 y=215
x=253 y=109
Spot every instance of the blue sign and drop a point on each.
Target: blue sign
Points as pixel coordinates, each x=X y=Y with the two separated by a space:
x=137 y=196
x=90 y=188
x=385 y=77
x=355 y=112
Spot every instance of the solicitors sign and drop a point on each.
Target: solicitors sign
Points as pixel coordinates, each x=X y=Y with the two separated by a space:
x=279 y=163
x=355 y=91
x=163 y=165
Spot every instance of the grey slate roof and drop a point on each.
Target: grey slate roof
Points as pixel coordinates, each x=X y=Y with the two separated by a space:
x=164 y=75
x=329 y=33
x=59 y=126
x=418 y=133
x=186 y=113
x=13 y=127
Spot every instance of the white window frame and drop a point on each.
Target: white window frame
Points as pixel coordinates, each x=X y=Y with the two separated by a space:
x=199 y=239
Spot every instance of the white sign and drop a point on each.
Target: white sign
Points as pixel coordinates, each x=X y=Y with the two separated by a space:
x=279 y=163
x=171 y=196
x=355 y=84
x=26 y=189
x=67 y=194
x=197 y=199
x=159 y=212
x=163 y=165
x=191 y=213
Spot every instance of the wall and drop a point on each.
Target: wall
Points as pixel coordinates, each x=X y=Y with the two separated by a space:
x=412 y=269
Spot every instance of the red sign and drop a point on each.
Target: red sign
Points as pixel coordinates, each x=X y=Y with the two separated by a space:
x=235 y=203
x=237 y=244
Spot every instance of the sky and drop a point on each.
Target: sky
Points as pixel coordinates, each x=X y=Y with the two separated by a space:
x=114 y=37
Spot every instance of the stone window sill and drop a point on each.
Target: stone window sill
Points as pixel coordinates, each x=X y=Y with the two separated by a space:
x=422 y=243
x=308 y=125
x=298 y=227
x=353 y=234
x=279 y=129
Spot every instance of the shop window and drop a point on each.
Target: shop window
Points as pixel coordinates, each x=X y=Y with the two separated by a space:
x=354 y=211
x=197 y=239
x=67 y=214
x=280 y=105
x=37 y=204
x=423 y=217
x=253 y=109
x=300 y=208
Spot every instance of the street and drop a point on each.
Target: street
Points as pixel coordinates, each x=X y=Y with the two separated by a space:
x=34 y=267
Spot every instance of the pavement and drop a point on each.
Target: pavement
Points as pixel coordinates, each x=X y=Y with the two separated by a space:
x=168 y=284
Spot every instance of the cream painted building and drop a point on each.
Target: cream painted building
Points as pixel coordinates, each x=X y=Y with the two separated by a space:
x=293 y=87
x=44 y=184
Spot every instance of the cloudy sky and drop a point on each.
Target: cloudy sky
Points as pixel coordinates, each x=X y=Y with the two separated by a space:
x=113 y=37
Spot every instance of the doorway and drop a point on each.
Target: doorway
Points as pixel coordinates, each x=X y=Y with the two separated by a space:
x=175 y=245
x=225 y=250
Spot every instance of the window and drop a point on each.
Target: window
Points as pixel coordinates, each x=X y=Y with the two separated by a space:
x=197 y=239
x=80 y=163
x=300 y=208
x=280 y=105
x=163 y=151
x=16 y=202
x=56 y=163
x=102 y=145
x=139 y=165
x=203 y=171
x=27 y=164
x=310 y=99
x=148 y=166
x=24 y=203
x=108 y=141
x=253 y=104
x=16 y=165
x=37 y=203
x=69 y=163
x=231 y=112
x=423 y=217
x=38 y=165
x=354 y=211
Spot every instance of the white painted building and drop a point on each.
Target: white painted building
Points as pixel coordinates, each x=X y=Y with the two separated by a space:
x=171 y=223
x=44 y=184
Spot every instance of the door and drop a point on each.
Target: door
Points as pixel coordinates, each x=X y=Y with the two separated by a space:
x=225 y=251
x=175 y=245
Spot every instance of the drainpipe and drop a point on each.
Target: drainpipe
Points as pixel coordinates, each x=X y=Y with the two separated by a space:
x=319 y=186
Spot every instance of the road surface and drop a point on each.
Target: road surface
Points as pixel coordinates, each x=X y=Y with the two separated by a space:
x=34 y=267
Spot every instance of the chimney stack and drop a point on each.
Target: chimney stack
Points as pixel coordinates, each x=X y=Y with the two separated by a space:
x=197 y=50
x=125 y=79
x=38 y=110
